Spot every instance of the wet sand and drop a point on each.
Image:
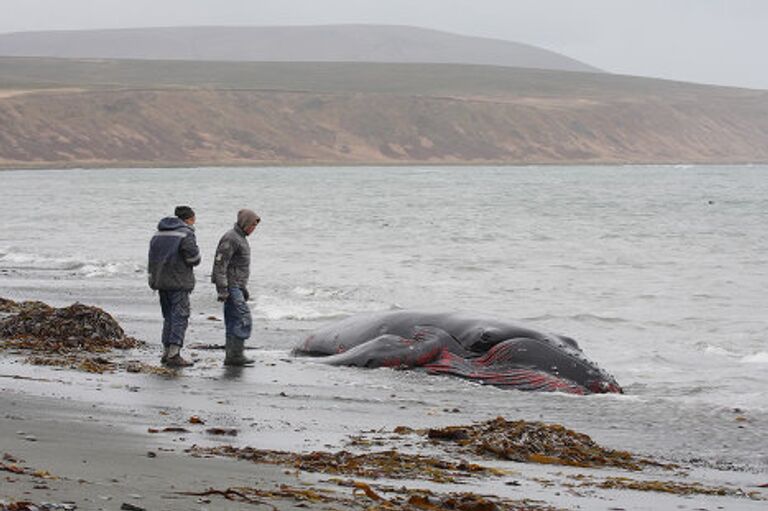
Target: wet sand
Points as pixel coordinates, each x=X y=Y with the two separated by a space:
x=92 y=432
x=97 y=465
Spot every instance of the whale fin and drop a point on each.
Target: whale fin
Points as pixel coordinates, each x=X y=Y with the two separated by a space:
x=425 y=345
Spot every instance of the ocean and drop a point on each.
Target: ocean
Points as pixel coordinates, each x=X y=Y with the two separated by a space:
x=659 y=272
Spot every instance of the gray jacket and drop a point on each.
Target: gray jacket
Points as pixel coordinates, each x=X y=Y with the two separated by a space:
x=232 y=263
x=173 y=252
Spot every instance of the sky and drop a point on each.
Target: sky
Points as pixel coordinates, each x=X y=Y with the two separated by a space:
x=706 y=41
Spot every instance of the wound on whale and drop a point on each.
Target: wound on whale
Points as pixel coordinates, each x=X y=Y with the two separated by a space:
x=486 y=350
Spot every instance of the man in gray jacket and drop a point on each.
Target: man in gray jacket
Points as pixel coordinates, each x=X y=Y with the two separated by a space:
x=173 y=253
x=231 y=269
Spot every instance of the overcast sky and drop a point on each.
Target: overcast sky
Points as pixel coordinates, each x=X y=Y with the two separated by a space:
x=707 y=41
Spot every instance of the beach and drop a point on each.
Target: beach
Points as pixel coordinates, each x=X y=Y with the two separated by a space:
x=643 y=266
x=98 y=465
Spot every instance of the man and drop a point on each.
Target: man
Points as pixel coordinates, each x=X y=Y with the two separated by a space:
x=231 y=269
x=173 y=253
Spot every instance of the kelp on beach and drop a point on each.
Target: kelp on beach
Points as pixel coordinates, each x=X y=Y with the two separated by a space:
x=78 y=336
x=673 y=487
x=77 y=328
x=366 y=497
x=523 y=441
x=11 y=307
x=391 y=464
x=534 y=442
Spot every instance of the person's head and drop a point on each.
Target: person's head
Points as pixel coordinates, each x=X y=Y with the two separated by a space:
x=247 y=220
x=185 y=214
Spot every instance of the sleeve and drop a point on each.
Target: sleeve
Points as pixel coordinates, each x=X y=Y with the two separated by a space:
x=151 y=265
x=224 y=254
x=190 y=252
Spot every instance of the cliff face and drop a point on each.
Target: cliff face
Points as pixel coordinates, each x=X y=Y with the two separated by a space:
x=191 y=127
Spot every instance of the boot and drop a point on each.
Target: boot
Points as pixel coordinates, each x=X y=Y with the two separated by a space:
x=234 y=353
x=174 y=357
x=164 y=358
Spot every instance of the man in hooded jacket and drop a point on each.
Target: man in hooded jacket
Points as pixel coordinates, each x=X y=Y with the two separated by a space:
x=173 y=253
x=231 y=269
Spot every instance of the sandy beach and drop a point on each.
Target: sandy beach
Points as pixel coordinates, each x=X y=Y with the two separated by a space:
x=94 y=464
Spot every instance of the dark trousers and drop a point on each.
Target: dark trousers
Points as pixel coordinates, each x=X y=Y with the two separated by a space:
x=237 y=315
x=175 y=306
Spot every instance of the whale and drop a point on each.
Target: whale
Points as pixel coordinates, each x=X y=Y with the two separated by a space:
x=475 y=347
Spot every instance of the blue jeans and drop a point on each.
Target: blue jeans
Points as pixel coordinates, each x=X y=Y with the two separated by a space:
x=237 y=315
x=175 y=307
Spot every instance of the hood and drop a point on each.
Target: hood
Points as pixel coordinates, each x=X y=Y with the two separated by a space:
x=246 y=218
x=171 y=223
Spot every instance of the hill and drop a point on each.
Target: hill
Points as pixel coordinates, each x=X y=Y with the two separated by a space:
x=329 y=43
x=58 y=113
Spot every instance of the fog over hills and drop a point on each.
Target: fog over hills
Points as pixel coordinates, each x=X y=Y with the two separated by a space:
x=328 y=43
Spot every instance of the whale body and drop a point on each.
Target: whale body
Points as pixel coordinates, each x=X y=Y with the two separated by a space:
x=483 y=349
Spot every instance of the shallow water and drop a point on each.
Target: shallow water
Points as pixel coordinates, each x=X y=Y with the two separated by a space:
x=659 y=273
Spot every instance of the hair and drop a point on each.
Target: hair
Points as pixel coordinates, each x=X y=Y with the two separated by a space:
x=184 y=212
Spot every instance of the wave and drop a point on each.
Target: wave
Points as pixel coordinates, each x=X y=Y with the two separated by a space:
x=582 y=317
x=295 y=312
x=24 y=261
x=757 y=358
x=307 y=303
x=720 y=352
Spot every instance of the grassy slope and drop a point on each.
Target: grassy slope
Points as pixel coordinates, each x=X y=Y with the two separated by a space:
x=156 y=113
x=410 y=79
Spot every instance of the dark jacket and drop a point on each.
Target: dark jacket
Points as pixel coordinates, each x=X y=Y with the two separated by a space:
x=232 y=263
x=173 y=252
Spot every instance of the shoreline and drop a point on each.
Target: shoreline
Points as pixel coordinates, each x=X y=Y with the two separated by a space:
x=101 y=456
x=331 y=164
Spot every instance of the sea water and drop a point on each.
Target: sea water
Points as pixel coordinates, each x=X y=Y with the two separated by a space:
x=659 y=272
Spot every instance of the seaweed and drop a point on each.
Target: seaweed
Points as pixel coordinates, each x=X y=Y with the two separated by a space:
x=672 y=487
x=391 y=464
x=78 y=337
x=77 y=328
x=532 y=442
x=11 y=307
x=25 y=505
x=371 y=498
x=14 y=465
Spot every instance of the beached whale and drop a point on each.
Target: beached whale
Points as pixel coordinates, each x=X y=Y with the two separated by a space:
x=483 y=349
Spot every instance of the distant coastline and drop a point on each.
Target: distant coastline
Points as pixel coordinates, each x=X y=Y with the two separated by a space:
x=74 y=166
x=56 y=113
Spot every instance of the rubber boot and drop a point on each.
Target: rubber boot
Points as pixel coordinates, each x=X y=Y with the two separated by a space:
x=234 y=353
x=174 y=357
x=164 y=358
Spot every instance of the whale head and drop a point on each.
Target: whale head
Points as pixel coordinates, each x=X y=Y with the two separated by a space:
x=604 y=386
